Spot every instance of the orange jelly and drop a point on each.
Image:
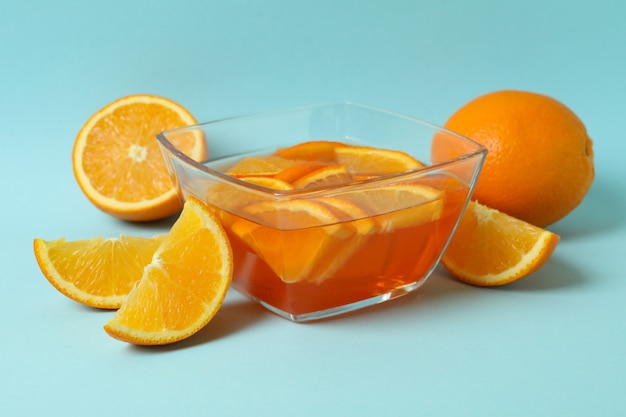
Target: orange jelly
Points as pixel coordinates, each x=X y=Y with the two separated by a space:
x=301 y=254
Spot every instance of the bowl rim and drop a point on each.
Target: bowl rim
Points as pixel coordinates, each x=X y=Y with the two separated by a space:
x=480 y=151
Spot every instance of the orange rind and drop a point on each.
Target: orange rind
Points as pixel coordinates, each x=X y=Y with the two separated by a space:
x=491 y=248
x=184 y=285
x=95 y=272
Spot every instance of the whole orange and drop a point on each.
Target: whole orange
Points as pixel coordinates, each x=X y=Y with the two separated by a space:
x=539 y=165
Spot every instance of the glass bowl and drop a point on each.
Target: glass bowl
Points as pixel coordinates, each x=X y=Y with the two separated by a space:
x=312 y=253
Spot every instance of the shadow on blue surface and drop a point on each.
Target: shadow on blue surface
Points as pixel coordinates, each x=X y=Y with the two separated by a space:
x=443 y=292
x=602 y=211
x=240 y=314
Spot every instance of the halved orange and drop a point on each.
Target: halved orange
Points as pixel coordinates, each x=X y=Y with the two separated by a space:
x=314 y=150
x=117 y=161
x=183 y=287
x=293 y=237
x=492 y=248
x=96 y=272
x=365 y=160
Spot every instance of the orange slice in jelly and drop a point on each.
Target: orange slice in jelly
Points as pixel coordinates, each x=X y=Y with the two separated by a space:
x=264 y=166
x=297 y=171
x=399 y=205
x=295 y=238
x=325 y=176
x=347 y=211
x=354 y=217
x=365 y=160
x=269 y=182
x=315 y=150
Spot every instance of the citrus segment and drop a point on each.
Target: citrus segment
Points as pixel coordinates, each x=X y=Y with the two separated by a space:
x=96 y=272
x=117 y=161
x=292 y=236
x=492 y=248
x=184 y=285
x=315 y=150
x=365 y=160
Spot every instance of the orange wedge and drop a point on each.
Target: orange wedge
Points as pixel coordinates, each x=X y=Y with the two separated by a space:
x=365 y=160
x=347 y=211
x=292 y=236
x=184 y=285
x=96 y=272
x=315 y=150
x=117 y=161
x=491 y=248
x=323 y=177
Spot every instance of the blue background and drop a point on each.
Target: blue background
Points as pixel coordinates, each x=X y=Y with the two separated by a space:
x=552 y=344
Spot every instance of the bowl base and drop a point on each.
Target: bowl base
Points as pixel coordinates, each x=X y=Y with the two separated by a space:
x=343 y=309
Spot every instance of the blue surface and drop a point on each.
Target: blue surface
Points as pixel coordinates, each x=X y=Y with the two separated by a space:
x=552 y=344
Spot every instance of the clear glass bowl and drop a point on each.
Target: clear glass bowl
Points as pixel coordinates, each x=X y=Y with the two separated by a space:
x=291 y=255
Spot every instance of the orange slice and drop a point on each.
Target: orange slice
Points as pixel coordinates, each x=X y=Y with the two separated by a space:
x=352 y=216
x=491 y=248
x=347 y=211
x=325 y=176
x=365 y=160
x=231 y=197
x=315 y=150
x=399 y=206
x=293 y=237
x=265 y=166
x=269 y=182
x=184 y=285
x=297 y=171
x=96 y=272
x=117 y=161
